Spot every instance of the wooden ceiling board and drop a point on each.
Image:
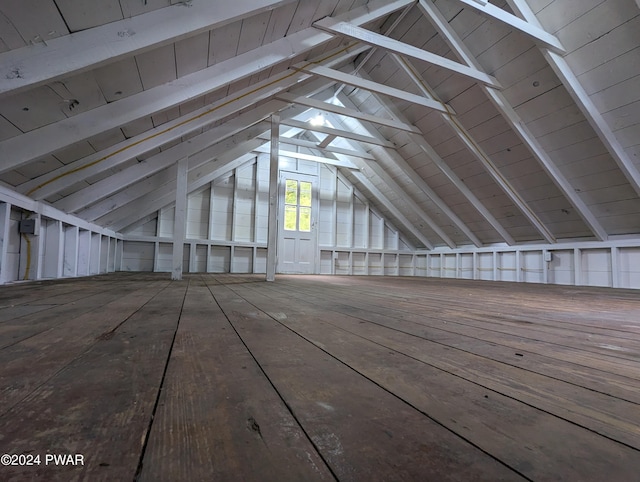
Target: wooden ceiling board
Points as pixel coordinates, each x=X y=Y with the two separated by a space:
x=190 y=106
x=303 y=16
x=7 y=129
x=593 y=24
x=469 y=99
x=279 y=22
x=40 y=167
x=32 y=109
x=596 y=197
x=252 y=32
x=157 y=66
x=602 y=49
x=192 y=54
x=10 y=38
x=521 y=67
x=13 y=178
x=223 y=42
x=131 y=8
x=119 y=79
x=489 y=130
x=137 y=127
x=545 y=104
x=559 y=14
x=73 y=152
x=106 y=139
x=628 y=136
x=608 y=74
x=621 y=224
x=165 y=116
x=80 y=93
x=566 y=136
x=533 y=86
x=556 y=120
x=80 y=14
x=24 y=22
x=618 y=95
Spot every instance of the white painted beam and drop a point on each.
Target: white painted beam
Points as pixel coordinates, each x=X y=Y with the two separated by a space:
x=9 y=196
x=379 y=195
x=336 y=132
x=407 y=200
x=272 y=224
x=534 y=32
x=390 y=45
x=399 y=162
x=152 y=182
x=309 y=157
x=326 y=141
x=20 y=150
x=479 y=153
x=328 y=149
x=5 y=221
x=34 y=65
x=166 y=195
x=103 y=188
x=343 y=111
x=514 y=120
x=369 y=85
x=583 y=101
x=179 y=219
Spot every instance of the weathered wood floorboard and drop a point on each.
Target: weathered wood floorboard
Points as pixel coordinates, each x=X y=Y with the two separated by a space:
x=100 y=404
x=218 y=417
x=227 y=377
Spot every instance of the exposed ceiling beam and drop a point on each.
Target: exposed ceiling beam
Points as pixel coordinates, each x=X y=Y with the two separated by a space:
x=66 y=176
x=534 y=32
x=200 y=163
x=328 y=149
x=20 y=150
x=516 y=123
x=406 y=199
x=382 y=199
x=369 y=85
x=337 y=132
x=199 y=144
x=346 y=29
x=309 y=157
x=364 y=176
x=326 y=141
x=452 y=176
x=166 y=195
x=33 y=65
x=583 y=101
x=399 y=162
x=335 y=109
x=479 y=153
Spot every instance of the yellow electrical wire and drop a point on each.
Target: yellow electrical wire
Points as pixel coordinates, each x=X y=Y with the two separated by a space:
x=169 y=129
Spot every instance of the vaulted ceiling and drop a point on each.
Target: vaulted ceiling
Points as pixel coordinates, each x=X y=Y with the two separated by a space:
x=466 y=122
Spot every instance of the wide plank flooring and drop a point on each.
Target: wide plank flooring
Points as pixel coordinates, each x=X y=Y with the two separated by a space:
x=228 y=377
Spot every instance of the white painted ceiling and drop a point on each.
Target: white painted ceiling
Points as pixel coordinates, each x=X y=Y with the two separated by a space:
x=98 y=100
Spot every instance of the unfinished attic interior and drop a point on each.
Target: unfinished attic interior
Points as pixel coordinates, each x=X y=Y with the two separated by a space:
x=346 y=240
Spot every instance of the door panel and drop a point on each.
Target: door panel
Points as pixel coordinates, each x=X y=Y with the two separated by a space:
x=297 y=233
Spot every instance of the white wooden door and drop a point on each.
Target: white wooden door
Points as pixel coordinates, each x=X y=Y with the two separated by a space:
x=298 y=211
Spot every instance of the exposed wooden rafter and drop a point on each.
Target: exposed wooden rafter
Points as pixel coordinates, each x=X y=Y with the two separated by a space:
x=514 y=120
x=34 y=65
x=582 y=100
x=20 y=150
x=390 y=45
x=534 y=32
x=369 y=85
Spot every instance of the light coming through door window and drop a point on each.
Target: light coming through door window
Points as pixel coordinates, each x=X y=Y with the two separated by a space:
x=297 y=206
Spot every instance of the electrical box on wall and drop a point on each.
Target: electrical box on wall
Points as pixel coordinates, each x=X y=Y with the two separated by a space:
x=28 y=226
x=548 y=256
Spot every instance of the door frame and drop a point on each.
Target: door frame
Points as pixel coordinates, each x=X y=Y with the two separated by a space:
x=315 y=206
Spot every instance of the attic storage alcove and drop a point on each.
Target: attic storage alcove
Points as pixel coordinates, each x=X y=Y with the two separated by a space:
x=432 y=152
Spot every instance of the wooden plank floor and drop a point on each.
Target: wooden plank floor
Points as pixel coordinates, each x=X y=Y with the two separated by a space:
x=227 y=377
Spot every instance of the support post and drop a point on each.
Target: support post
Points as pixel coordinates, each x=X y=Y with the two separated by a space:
x=272 y=237
x=179 y=220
